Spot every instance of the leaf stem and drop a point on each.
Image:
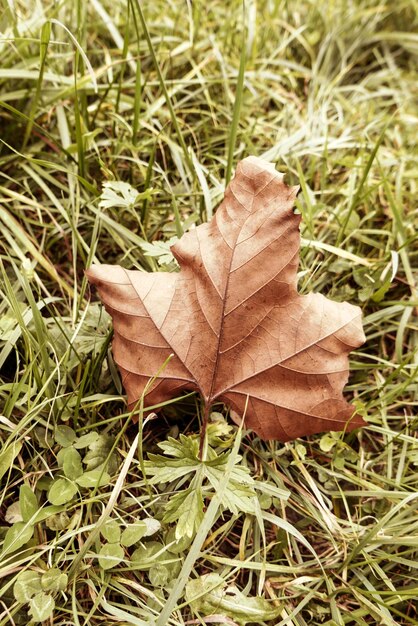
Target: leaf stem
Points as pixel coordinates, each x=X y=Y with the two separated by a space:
x=203 y=430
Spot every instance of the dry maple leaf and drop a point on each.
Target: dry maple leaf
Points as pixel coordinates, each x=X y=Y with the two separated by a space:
x=238 y=330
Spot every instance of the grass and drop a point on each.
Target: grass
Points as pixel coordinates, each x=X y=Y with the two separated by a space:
x=121 y=122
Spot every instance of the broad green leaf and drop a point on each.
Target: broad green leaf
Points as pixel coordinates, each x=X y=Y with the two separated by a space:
x=209 y=594
x=110 y=555
x=219 y=432
x=62 y=491
x=159 y=575
x=265 y=502
x=142 y=528
x=28 y=503
x=57 y=522
x=93 y=478
x=163 y=470
x=26 y=586
x=111 y=531
x=86 y=440
x=120 y=194
x=339 y=462
x=301 y=450
x=185 y=453
x=41 y=606
x=185 y=507
x=179 y=545
x=47 y=511
x=72 y=465
x=17 y=536
x=239 y=495
x=327 y=442
x=98 y=452
x=54 y=580
x=182 y=448
x=43 y=437
x=239 y=498
x=65 y=436
x=8 y=455
x=160 y=250
x=145 y=557
x=8 y=324
x=61 y=456
x=133 y=533
x=182 y=459
x=13 y=513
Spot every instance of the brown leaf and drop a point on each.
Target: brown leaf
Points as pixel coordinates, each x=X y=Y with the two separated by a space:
x=238 y=330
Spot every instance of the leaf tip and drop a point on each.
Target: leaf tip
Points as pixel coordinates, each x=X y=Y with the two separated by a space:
x=91 y=273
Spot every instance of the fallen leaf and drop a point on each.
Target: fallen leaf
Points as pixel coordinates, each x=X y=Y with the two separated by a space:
x=233 y=321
